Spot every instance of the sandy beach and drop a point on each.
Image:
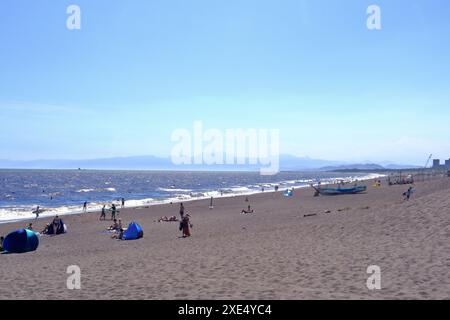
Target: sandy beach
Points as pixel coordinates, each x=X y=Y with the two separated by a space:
x=275 y=253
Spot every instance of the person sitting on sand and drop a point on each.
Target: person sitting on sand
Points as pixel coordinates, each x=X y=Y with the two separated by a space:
x=29 y=226
x=45 y=231
x=185 y=224
x=170 y=219
x=1 y=244
x=118 y=235
x=249 y=210
x=114 y=227
x=56 y=224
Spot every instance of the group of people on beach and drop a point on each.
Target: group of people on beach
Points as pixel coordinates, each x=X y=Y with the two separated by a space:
x=112 y=209
x=117 y=229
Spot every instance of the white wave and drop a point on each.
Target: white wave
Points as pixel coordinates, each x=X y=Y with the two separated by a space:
x=174 y=190
x=85 y=190
x=96 y=190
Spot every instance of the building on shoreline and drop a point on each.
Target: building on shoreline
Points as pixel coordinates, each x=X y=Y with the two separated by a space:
x=437 y=164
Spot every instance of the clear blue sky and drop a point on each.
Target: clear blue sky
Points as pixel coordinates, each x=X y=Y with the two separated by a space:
x=137 y=70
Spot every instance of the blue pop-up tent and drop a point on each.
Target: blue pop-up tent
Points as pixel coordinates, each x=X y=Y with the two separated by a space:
x=133 y=232
x=21 y=241
x=288 y=193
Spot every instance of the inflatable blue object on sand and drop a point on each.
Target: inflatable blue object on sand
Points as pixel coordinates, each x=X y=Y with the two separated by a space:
x=133 y=232
x=21 y=241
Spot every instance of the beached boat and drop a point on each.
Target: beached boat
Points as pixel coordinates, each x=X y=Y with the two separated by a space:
x=339 y=190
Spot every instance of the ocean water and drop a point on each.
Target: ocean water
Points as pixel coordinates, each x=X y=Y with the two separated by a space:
x=64 y=191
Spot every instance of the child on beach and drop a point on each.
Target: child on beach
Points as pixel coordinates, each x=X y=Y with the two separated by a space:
x=408 y=193
x=118 y=235
x=45 y=231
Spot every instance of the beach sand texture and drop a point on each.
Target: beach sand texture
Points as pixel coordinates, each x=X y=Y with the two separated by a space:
x=275 y=253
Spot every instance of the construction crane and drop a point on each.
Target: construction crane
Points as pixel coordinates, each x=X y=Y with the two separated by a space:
x=428 y=161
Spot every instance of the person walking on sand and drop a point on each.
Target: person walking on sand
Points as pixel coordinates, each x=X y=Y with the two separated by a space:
x=185 y=226
x=85 y=207
x=36 y=212
x=123 y=203
x=181 y=211
x=408 y=193
x=103 y=215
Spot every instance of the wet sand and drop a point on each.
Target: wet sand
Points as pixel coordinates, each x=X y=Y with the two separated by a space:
x=275 y=253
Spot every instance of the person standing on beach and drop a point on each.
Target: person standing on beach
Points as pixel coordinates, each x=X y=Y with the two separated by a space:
x=113 y=211
x=185 y=224
x=123 y=203
x=85 y=207
x=103 y=215
x=1 y=244
x=181 y=211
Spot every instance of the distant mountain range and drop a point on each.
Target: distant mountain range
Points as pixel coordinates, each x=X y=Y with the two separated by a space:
x=287 y=163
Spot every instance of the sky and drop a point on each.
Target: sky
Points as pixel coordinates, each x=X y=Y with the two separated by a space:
x=138 y=70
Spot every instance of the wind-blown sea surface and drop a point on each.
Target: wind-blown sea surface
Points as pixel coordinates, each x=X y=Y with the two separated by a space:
x=64 y=191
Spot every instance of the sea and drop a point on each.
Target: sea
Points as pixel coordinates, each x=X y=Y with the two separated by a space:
x=62 y=192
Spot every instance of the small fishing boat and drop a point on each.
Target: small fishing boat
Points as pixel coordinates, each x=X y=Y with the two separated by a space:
x=339 y=190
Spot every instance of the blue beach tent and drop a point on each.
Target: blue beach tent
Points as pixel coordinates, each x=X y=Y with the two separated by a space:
x=133 y=232
x=21 y=241
x=288 y=193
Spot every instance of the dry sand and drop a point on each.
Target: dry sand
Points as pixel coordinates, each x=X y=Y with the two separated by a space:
x=275 y=253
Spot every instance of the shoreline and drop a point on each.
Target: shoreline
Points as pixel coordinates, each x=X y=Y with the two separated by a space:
x=46 y=214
